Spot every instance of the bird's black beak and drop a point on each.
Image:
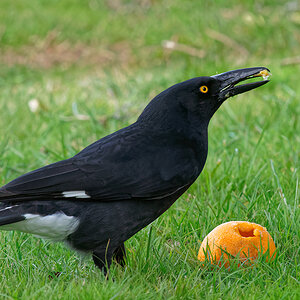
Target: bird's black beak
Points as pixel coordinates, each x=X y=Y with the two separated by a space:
x=228 y=81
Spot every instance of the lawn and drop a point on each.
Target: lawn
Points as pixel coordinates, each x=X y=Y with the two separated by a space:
x=91 y=67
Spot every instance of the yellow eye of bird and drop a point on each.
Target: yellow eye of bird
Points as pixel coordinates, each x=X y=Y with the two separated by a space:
x=204 y=89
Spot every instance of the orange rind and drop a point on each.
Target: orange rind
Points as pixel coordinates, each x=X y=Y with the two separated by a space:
x=242 y=240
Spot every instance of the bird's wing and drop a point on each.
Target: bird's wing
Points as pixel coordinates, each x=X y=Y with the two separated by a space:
x=108 y=171
x=44 y=183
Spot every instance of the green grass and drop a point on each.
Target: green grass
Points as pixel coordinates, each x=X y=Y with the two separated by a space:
x=252 y=171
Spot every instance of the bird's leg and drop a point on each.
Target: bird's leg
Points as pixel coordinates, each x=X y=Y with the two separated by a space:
x=120 y=254
x=102 y=259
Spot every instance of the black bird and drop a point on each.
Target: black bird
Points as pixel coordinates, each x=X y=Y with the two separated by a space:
x=110 y=190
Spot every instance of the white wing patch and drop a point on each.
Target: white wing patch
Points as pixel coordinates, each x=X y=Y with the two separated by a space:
x=55 y=227
x=8 y=207
x=76 y=194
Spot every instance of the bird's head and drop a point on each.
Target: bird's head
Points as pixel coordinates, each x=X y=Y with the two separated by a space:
x=197 y=99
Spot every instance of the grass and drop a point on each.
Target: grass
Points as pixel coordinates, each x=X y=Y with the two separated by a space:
x=118 y=65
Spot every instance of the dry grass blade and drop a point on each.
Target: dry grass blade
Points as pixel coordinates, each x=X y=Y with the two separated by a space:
x=229 y=42
x=51 y=52
x=171 y=45
x=290 y=61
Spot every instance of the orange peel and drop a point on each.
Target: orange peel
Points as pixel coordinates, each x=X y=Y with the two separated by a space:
x=236 y=239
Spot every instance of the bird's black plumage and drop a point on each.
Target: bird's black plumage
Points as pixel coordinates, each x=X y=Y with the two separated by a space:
x=106 y=193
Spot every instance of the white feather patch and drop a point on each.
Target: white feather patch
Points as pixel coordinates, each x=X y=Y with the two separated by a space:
x=55 y=227
x=8 y=207
x=76 y=194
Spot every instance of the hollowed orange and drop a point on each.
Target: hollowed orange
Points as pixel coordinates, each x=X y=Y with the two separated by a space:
x=236 y=239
